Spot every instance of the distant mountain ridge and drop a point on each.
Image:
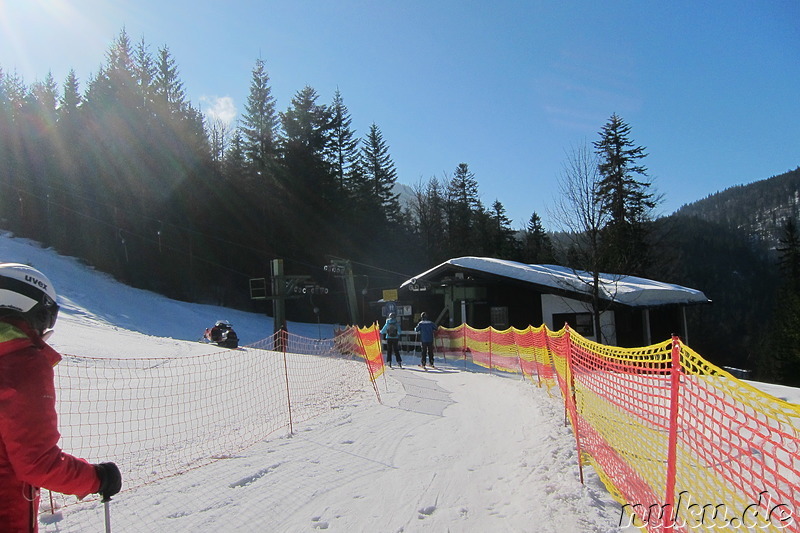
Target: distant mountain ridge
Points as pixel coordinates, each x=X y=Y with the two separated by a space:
x=759 y=209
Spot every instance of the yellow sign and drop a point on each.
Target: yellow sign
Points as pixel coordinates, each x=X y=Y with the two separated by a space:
x=390 y=295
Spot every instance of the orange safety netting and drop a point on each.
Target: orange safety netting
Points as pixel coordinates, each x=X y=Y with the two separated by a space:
x=681 y=443
x=365 y=343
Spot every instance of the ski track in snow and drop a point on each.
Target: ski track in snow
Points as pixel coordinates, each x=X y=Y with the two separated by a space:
x=409 y=464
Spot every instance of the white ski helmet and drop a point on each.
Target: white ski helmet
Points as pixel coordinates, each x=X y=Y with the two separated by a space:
x=27 y=293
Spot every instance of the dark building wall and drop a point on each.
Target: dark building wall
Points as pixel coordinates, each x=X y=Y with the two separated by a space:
x=524 y=305
x=629 y=326
x=664 y=321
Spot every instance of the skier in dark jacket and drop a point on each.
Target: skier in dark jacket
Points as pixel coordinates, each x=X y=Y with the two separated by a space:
x=29 y=453
x=427 y=331
x=222 y=333
x=391 y=332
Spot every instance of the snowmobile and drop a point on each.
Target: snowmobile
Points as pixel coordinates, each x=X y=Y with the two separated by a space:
x=222 y=334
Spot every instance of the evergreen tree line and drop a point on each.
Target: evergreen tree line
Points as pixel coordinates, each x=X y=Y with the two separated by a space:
x=130 y=176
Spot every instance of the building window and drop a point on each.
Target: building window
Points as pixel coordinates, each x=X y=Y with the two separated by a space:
x=579 y=322
x=499 y=317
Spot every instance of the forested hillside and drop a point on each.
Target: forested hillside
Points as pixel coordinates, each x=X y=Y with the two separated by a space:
x=758 y=209
x=740 y=279
x=739 y=247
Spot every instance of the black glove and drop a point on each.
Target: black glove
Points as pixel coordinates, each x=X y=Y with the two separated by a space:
x=110 y=479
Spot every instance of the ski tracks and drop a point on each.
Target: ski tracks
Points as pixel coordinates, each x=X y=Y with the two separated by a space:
x=439 y=454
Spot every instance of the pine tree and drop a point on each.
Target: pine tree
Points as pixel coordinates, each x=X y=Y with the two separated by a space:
x=627 y=199
x=234 y=160
x=115 y=87
x=463 y=204
x=12 y=96
x=428 y=215
x=259 y=124
x=44 y=97
x=167 y=86
x=505 y=244
x=71 y=98
x=306 y=126
x=72 y=134
x=145 y=74
x=12 y=101
x=537 y=247
x=379 y=173
x=39 y=163
x=343 y=149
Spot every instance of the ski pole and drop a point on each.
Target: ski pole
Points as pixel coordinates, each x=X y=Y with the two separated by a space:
x=106 y=501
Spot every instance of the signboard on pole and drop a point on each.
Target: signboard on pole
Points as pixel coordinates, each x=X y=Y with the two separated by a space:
x=390 y=295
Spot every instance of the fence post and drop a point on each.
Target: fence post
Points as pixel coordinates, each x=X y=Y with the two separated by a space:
x=571 y=397
x=537 y=350
x=283 y=336
x=464 y=343
x=491 y=330
x=672 y=450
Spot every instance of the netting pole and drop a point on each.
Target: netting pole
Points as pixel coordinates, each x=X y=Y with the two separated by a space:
x=491 y=329
x=672 y=451
x=464 y=343
x=536 y=352
x=574 y=402
x=284 y=342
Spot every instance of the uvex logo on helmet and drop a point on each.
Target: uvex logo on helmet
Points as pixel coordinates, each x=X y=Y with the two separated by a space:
x=33 y=281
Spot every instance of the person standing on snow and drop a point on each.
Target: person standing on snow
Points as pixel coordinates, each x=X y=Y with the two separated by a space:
x=29 y=453
x=427 y=331
x=391 y=332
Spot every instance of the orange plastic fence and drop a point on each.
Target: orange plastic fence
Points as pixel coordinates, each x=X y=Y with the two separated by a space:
x=365 y=343
x=681 y=443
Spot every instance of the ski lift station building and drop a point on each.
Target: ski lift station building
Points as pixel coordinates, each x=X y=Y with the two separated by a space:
x=483 y=292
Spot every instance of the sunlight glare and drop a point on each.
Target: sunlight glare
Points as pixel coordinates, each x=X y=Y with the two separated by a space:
x=36 y=34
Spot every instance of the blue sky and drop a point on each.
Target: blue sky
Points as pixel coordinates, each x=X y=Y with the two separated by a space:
x=711 y=89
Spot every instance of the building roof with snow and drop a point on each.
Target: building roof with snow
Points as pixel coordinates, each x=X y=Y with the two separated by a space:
x=625 y=290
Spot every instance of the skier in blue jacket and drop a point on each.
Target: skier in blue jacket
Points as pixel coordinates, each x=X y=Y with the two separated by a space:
x=427 y=331
x=391 y=332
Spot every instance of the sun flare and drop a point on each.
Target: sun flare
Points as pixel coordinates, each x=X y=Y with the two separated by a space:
x=35 y=34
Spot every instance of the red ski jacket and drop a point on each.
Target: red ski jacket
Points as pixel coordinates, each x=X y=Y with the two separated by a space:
x=29 y=452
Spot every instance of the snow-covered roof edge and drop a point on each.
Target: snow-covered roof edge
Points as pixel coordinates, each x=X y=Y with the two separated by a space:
x=626 y=290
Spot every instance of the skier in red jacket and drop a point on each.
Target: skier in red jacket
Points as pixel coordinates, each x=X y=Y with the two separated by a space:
x=29 y=453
